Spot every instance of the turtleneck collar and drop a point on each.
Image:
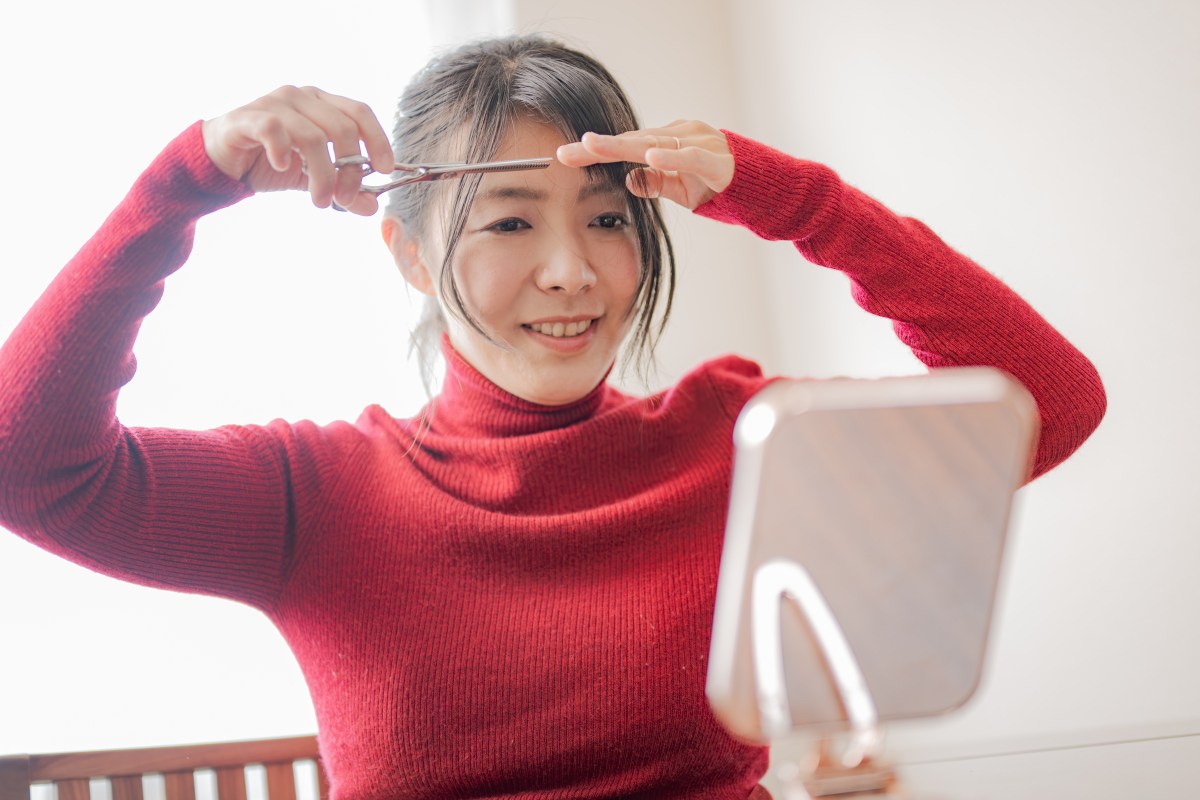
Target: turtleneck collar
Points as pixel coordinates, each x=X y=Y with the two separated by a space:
x=471 y=405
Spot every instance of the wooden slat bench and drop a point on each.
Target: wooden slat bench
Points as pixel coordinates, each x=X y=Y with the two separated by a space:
x=72 y=773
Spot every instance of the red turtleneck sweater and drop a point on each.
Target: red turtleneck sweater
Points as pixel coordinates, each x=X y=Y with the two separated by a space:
x=515 y=601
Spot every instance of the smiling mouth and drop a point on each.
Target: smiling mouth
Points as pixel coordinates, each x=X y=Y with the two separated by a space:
x=560 y=330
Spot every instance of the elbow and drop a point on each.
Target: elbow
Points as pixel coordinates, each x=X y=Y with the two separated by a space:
x=1069 y=422
x=39 y=493
x=23 y=499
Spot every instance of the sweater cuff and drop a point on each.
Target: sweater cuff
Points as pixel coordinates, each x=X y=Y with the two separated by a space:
x=184 y=182
x=774 y=195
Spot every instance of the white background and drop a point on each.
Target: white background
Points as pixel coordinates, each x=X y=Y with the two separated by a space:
x=283 y=310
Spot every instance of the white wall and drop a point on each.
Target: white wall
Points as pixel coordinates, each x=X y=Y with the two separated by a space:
x=1056 y=144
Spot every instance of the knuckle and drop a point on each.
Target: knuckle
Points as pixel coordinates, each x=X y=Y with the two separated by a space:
x=698 y=128
x=269 y=126
x=359 y=108
x=286 y=92
x=312 y=138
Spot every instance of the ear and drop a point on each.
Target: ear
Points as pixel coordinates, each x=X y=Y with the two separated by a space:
x=407 y=253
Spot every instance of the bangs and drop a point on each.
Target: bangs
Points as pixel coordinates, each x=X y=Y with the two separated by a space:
x=574 y=101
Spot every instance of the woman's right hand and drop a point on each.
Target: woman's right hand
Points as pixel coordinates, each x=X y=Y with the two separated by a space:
x=282 y=141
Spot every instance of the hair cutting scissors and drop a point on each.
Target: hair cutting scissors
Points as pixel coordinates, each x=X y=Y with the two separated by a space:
x=416 y=173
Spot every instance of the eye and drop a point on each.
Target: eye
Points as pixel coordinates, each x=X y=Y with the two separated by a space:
x=510 y=225
x=610 y=221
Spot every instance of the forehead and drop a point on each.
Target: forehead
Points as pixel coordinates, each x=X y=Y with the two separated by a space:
x=534 y=139
x=526 y=136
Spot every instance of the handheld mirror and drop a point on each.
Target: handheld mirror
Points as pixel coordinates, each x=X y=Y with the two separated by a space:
x=863 y=549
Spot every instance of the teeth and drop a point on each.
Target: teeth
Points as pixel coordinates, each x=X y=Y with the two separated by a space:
x=560 y=329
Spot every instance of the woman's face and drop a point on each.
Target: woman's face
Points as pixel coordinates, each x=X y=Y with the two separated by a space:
x=548 y=265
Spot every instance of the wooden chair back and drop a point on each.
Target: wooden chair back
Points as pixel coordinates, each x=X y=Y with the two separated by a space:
x=71 y=773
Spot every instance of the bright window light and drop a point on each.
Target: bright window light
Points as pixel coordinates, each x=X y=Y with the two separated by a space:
x=283 y=310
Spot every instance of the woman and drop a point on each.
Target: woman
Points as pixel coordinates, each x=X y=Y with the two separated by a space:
x=511 y=593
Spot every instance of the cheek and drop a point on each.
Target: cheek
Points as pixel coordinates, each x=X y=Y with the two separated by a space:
x=624 y=269
x=487 y=278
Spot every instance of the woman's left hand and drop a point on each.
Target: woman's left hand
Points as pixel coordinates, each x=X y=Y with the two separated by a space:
x=687 y=161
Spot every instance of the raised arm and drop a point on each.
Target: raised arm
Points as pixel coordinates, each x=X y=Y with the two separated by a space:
x=211 y=511
x=946 y=308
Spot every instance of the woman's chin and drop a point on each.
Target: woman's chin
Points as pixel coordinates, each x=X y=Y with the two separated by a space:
x=539 y=374
x=562 y=394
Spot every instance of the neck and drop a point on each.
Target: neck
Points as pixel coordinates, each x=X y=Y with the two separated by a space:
x=471 y=405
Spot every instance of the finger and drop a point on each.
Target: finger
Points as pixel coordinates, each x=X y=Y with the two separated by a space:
x=632 y=146
x=235 y=141
x=309 y=140
x=641 y=141
x=645 y=182
x=271 y=134
x=370 y=131
x=714 y=169
x=597 y=148
x=574 y=154
x=364 y=204
x=678 y=188
x=340 y=130
x=253 y=129
x=283 y=124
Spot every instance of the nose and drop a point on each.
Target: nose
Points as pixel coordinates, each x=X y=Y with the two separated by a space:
x=566 y=269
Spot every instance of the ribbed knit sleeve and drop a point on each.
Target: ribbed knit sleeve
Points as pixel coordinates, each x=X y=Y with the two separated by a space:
x=199 y=511
x=946 y=308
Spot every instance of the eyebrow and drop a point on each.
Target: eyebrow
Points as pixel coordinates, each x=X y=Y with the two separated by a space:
x=526 y=193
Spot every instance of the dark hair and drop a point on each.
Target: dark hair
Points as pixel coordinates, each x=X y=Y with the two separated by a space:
x=459 y=108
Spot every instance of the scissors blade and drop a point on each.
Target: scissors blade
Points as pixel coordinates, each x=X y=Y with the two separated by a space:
x=436 y=172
